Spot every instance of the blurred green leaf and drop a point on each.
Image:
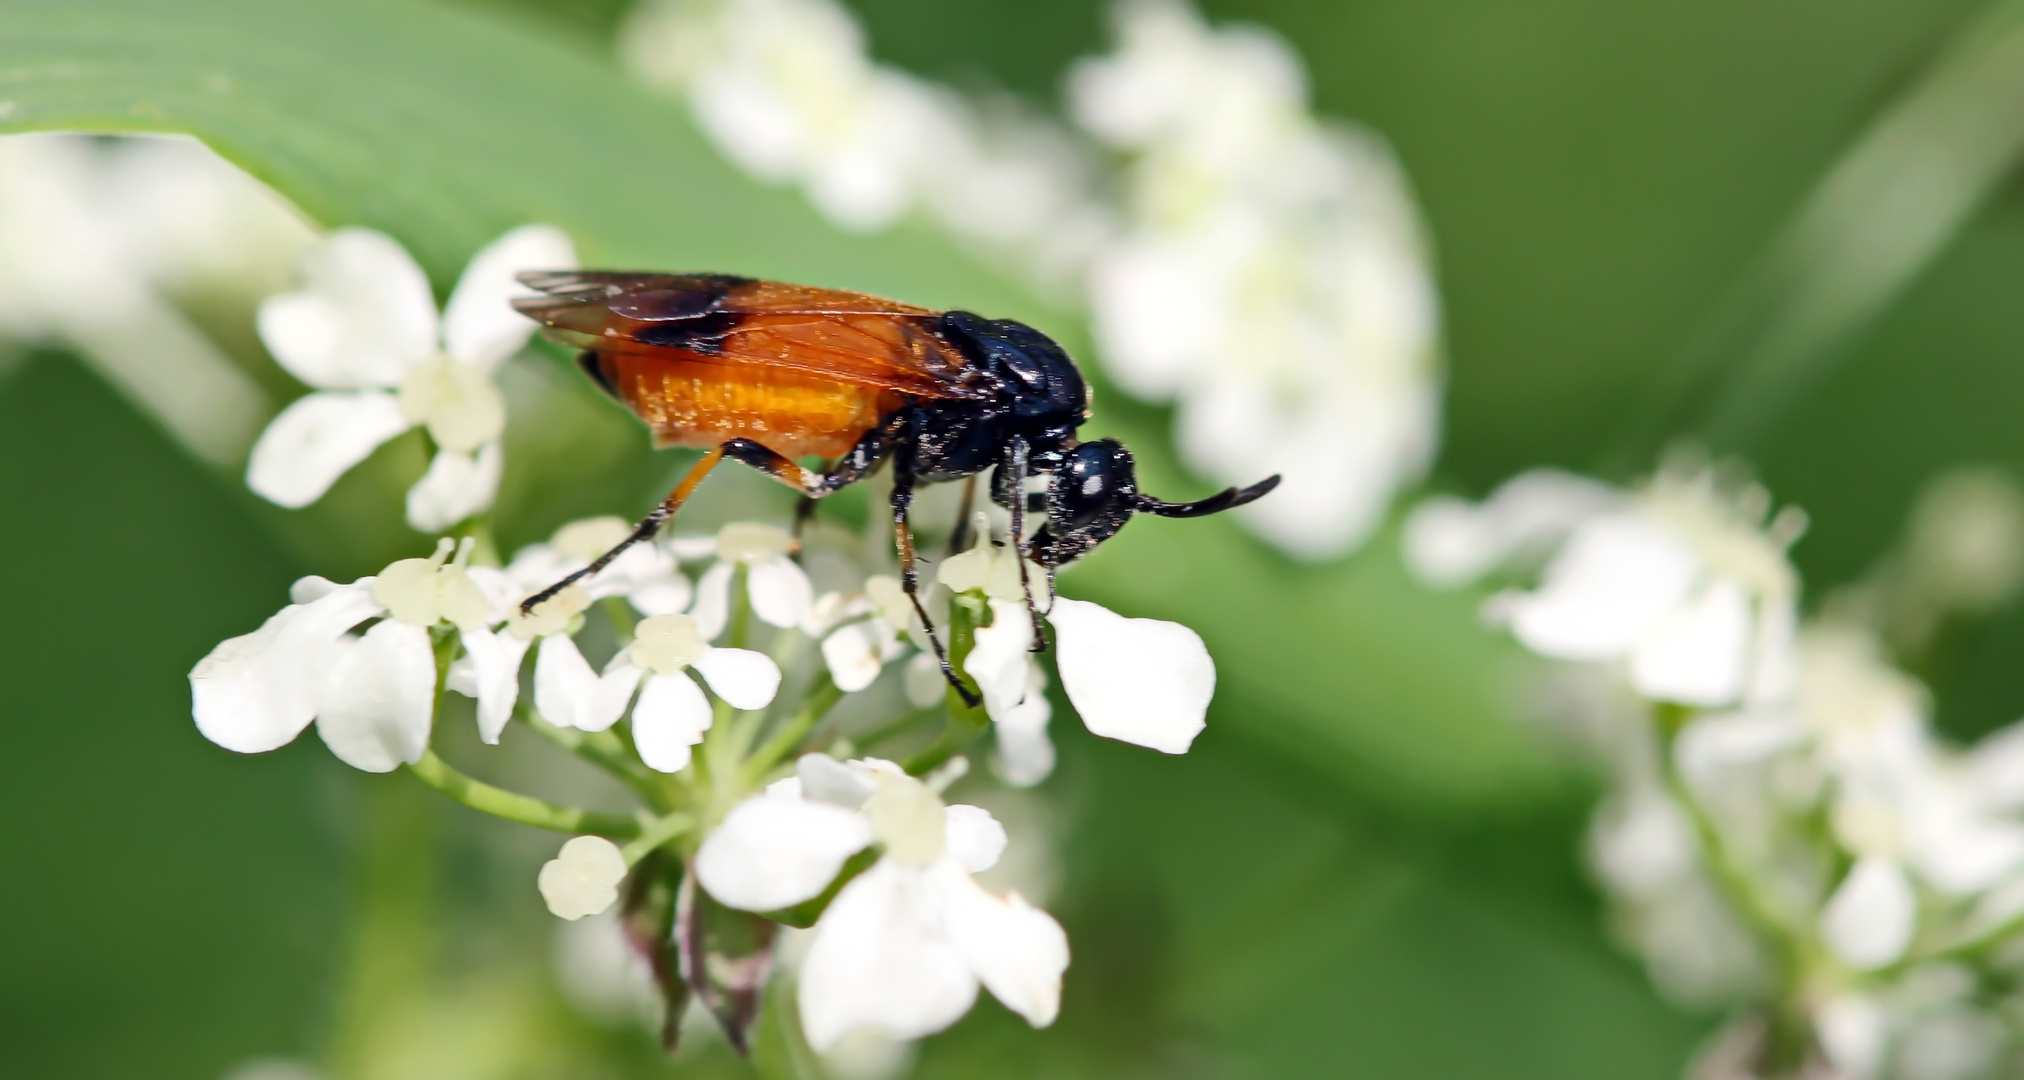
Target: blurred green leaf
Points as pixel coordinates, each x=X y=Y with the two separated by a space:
x=1875 y=221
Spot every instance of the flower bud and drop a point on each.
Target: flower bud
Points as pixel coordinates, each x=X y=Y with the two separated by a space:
x=583 y=878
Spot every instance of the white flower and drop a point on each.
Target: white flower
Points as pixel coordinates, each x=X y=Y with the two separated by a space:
x=1271 y=278
x=1450 y=541
x=583 y=878
x=646 y=574
x=363 y=332
x=671 y=713
x=786 y=89
x=1870 y=919
x=1141 y=681
x=903 y=946
x=1687 y=586
x=780 y=592
x=870 y=630
x=372 y=696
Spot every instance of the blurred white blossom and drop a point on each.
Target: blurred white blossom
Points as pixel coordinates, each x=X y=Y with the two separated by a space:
x=363 y=332
x=1785 y=823
x=787 y=90
x=1271 y=278
x=99 y=236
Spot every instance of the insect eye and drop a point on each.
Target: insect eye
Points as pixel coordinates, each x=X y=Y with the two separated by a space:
x=1092 y=484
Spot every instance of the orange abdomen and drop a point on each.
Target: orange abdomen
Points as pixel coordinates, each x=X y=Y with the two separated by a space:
x=702 y=403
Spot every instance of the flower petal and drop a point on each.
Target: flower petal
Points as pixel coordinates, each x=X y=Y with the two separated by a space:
x=1698 y=654
x=669 y=718
x=771 y=853
x=852 y=655
x=256 y=692
x=317 y=439
x=495 y=671
x=1870 y=918
x=746 y=679
x=713 y=600
x=1616 y=576
x=974 y=838
x=365 y=315
x=878 y=962
x=826 y=779
x=1001 y=658
x=1018 y=950
x=479 y=324
x=455 y=487
x=780 y=591
x=1141 y=681
x=1025 y=754
x=569 y=694
x=377 y=708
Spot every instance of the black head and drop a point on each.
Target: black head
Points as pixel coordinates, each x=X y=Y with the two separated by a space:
x=1093 y=490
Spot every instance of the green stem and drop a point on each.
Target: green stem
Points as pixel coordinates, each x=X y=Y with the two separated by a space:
x=655 y=835
x=1730 y=876
x=818 y=703
x=512 y=806
x=966 y=723
x=604 y=749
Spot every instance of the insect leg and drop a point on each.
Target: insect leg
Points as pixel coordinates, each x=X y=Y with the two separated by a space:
x=804 y=512
x=645 y=530
x=959 y=537
x=903 y=539
x=1015 y=467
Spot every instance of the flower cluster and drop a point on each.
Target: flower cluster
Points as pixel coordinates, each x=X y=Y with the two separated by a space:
x=788 y=91
x=712 y=702
x=1785 y=827
x=1270 y=279
x=1261 y=268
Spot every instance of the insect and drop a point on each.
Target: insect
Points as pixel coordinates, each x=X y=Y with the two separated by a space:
x=768 y=374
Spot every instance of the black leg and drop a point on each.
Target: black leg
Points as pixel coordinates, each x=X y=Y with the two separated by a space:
x=1014 y=463
x=804 y=512
x=903 y=540
x=645 y=530
x=959 y=537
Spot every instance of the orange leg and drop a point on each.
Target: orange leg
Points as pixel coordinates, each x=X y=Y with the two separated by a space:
x=647 y=527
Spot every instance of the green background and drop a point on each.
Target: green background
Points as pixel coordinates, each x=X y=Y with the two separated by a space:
x=1366 y=867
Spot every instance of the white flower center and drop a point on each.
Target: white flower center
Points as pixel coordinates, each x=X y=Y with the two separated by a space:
x=551 y=616
x=458 y=402
x=426 y=591
x=665 y=644
x=908 y=818
x=591 y=537
x=749 y=542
